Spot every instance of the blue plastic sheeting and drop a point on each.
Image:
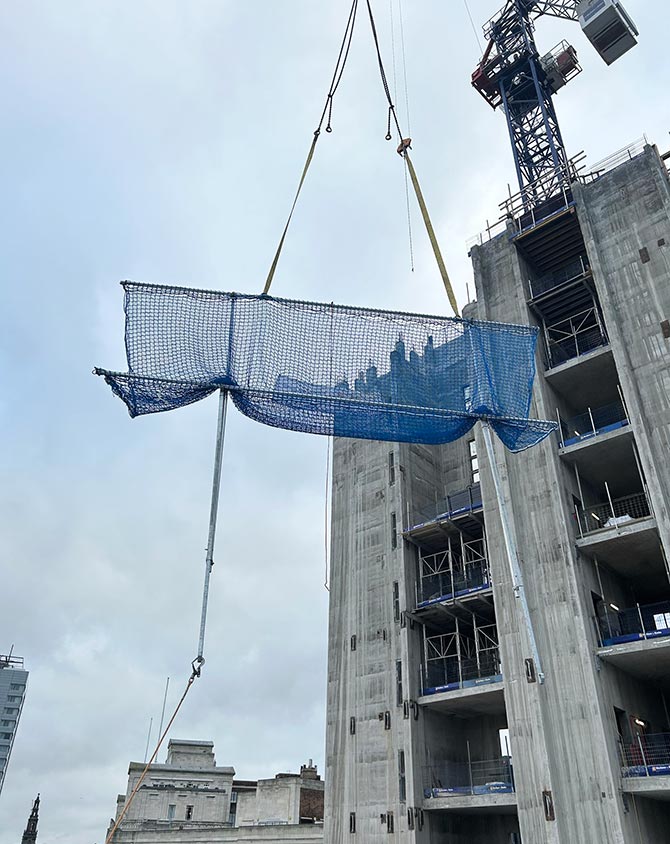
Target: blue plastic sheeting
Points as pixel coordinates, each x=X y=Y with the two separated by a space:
x=328 y=369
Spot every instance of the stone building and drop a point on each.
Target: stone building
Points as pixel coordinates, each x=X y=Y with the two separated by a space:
x=191 y=799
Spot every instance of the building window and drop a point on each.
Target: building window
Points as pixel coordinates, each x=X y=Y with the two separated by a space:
x=353 y=642
x=410 y=819
x=189 y=813
x=402 y=785
x=389 y=821
x=17 y=687
x=398 y=682
x=352 y=725
x=6 y=735
x=172 y=808
x=394 y=531
x=474 y=462
x=352 y=821
x=391 y=468
x=396 y=601
x=9 y=710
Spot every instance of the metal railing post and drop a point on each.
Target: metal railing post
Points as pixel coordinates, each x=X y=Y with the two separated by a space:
x=579 y=522
x=593 y=424
x=644 y=758
x=458 y=653
x=642 y=628
x=472 y=786
x=609 y=498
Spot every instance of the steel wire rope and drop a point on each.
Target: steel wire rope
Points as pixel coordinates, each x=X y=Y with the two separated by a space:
x=409 y=132
x=395 y=96
x=403 y=150
x=472 y=24
x=195 y=673
x=340 y=64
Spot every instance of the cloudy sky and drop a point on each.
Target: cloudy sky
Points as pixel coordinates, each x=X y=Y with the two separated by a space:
x=162 y=141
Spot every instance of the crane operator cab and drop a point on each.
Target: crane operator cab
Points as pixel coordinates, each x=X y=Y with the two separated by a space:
x=608 y=27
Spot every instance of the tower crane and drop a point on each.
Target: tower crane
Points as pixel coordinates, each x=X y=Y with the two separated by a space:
x=513 y=76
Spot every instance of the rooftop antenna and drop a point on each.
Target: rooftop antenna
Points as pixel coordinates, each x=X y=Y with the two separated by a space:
x=167 y=686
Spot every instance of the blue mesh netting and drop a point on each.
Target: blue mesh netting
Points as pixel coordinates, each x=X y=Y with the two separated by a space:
x=328 y=369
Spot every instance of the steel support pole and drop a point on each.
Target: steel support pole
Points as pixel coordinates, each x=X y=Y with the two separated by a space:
x=213 y=512
x=512 y=553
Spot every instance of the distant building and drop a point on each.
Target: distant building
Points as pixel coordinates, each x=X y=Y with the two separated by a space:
x=190 y=799
x=13 y=680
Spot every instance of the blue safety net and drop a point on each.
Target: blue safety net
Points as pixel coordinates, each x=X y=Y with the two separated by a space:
x=328 y=369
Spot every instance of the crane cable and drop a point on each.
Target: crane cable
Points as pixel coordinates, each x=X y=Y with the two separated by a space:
x=327 y=110
x=138 y=785
x=403 y=150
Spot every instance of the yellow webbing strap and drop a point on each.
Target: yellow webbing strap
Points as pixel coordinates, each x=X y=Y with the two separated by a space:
x=310 y=156
x=431 y=232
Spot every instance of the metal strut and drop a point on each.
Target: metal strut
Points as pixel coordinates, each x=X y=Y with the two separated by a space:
x=512 y=552
x=199 y=661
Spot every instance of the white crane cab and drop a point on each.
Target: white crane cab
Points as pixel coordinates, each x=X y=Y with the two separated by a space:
x=608 y=27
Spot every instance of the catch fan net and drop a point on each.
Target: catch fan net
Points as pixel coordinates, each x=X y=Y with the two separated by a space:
x=328 y=369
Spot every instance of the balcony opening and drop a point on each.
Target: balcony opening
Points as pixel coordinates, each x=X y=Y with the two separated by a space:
x=460 y=569
x=461 y=652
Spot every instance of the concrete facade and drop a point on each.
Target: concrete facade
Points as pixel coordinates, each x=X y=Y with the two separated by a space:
x=438 y=728
x=13 y=681
x=191 y=799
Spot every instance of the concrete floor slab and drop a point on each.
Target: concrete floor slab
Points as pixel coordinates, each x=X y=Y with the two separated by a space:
x=654 y=788
x=468 y=703
x=480 y=804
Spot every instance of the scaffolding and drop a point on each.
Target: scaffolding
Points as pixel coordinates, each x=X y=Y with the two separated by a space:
x=456 y=660
x=575 y=335
x=460 y=569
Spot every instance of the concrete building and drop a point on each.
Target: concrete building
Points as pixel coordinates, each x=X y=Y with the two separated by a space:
x=189 y=800
x=13 y=681
x=441 y=725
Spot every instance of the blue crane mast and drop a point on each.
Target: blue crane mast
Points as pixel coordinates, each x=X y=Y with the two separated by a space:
x=513 y=76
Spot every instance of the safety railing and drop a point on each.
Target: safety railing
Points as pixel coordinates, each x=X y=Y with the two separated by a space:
x=574 y=336
x=646 y=755
x=643 y=621
x=573 y=271
x=614 y=513
x=595 y=421
x=445 y=778
x=457 y=504
x=628 y=153
x=522 y=209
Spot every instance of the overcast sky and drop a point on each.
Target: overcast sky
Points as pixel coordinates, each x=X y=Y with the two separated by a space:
x=162 y=141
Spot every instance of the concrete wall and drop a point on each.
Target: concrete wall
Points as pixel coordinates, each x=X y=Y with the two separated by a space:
x=625 y=218
x=563 y=733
